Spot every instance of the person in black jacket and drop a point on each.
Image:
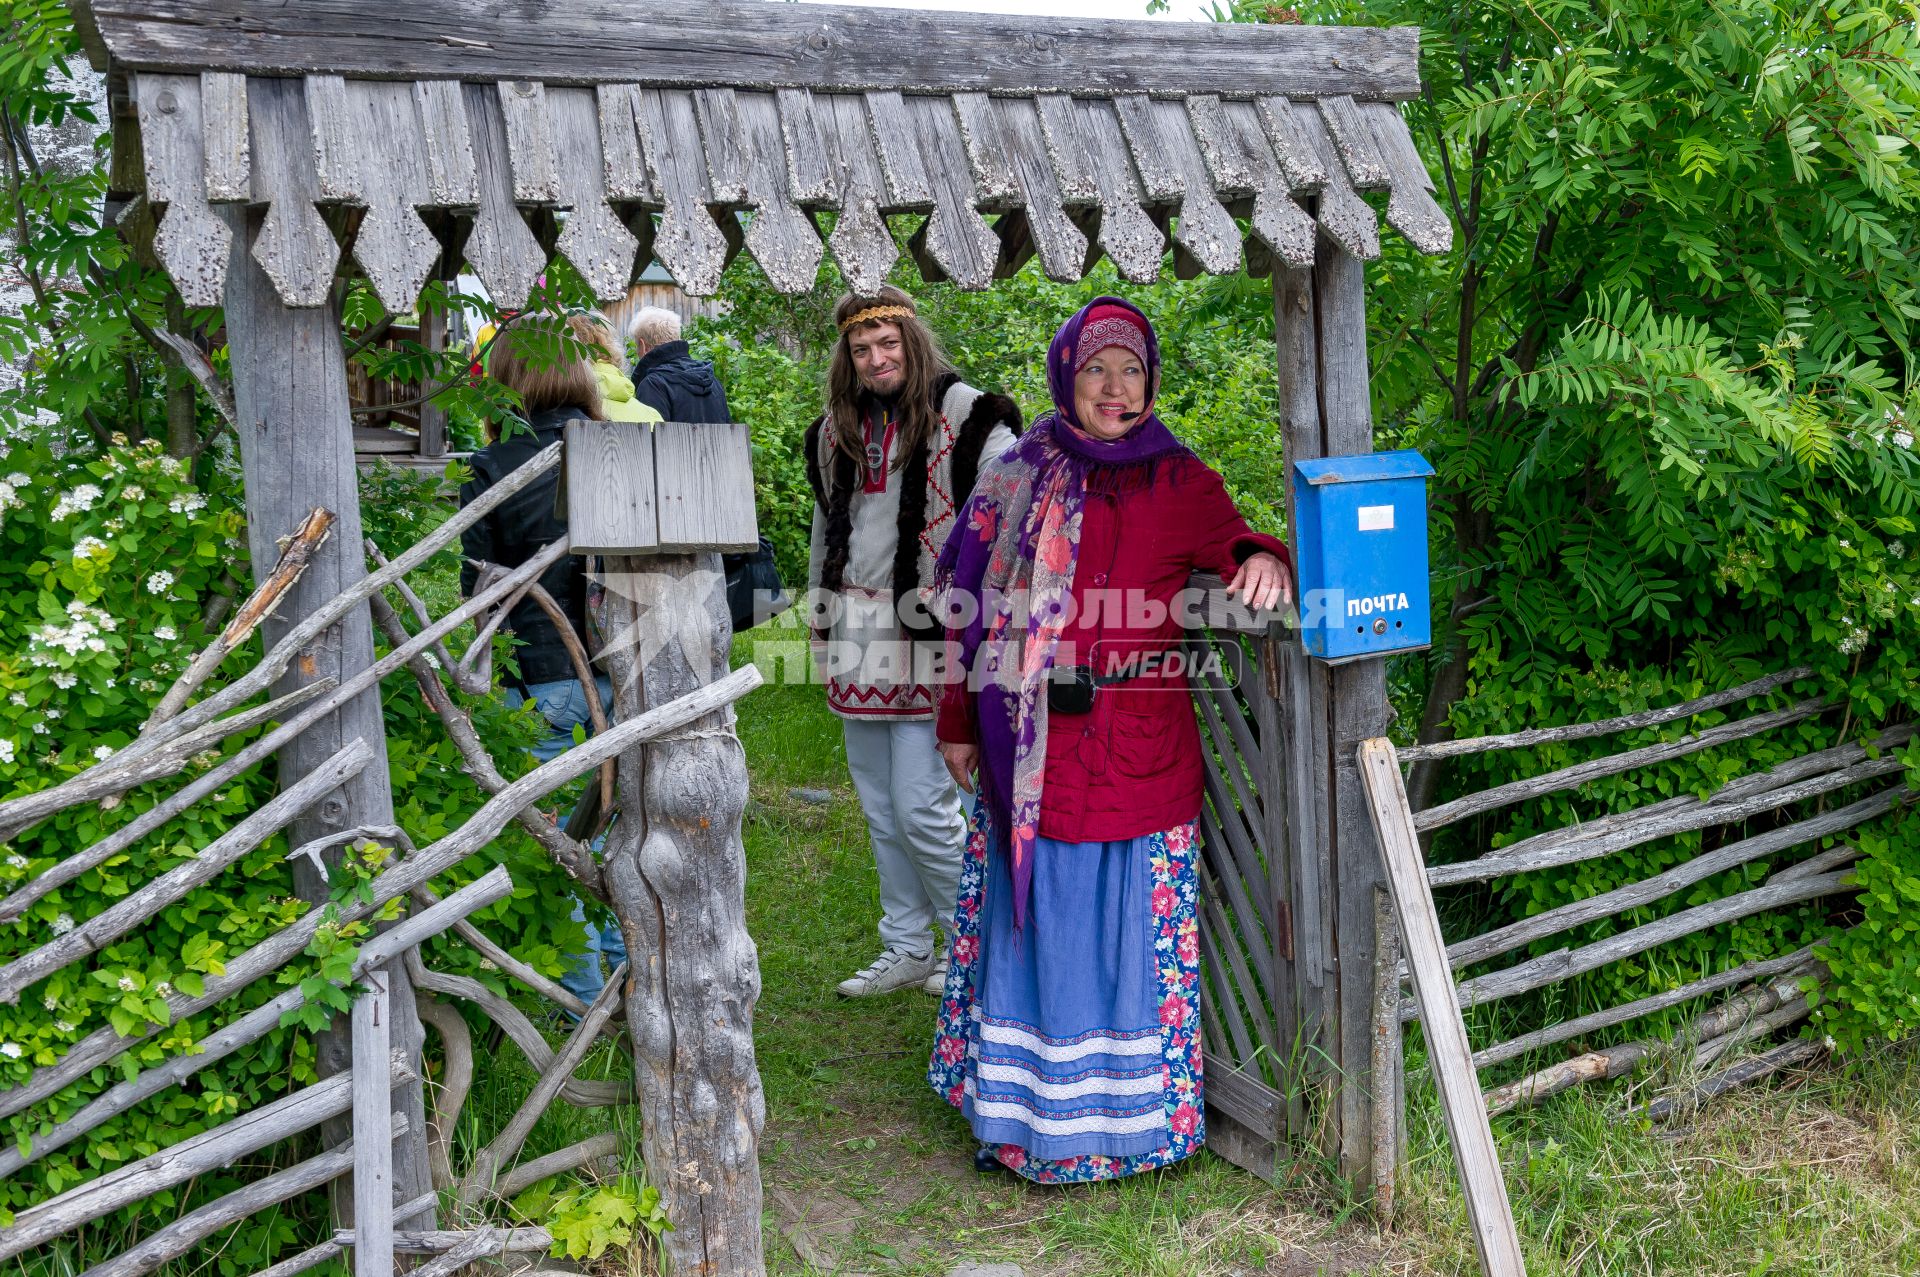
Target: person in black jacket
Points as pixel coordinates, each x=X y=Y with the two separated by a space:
x=667 y=377
x=552 y=393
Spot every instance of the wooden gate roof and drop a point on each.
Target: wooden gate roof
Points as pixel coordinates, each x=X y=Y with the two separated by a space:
x=612 y=131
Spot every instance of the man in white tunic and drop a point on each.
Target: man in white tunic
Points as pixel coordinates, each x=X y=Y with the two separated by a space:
x=891 y=463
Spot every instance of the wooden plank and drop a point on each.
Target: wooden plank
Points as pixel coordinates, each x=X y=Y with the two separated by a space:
x=1130 y=238
x=1304 y=755
x=825 y=49
x=192 y=244
x=1231 y=167
x=1266 y=692
x=1751 y=972
x=372 y=1133
x=1411 y=208
x=1205 y=231
x=989 y=149
x=705 y=486
x=1571 y=777
x=1475 y=1155
x=1213 y=930
x=1607 y=726
x=896 y=141
x=294 y=246
x=1241 y=1093
x=1287 y=132
x=956 y=237
x=392 y=245
x=688 y=242
x=1342 y=214
x=1278 y=221
x=725 y=143
x=624 y=160
x=1621 y=830
x=1707 y=864
x=296 y=452
x=453 y=180
x=780 y=237
x=500 y=248
x=1162 y=174
x=861 y=241
x=170 y=1167
x=1229 y=1138
x=223 y=125
x=1230 y=853
x=809 y=171
x=536 y=177
x=1066 y=148
x=1564 y=964
x=1353 y=143
x=593 y=238
x=611 y=506
x=336 y=142
x=1061 y=244
x=1358 y=709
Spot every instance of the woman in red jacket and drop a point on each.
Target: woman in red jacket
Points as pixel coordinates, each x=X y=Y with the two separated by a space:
x=1070 y=1031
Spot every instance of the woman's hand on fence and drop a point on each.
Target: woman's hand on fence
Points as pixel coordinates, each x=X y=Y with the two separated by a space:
x=1262 y=582
x=962 y=761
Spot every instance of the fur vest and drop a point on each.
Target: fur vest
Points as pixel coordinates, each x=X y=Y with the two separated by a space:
x=934 y=483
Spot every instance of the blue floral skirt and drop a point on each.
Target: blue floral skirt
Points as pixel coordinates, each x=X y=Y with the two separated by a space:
x=1072 y=1046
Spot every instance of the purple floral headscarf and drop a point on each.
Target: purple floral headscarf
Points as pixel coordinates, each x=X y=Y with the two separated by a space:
x=1005 y=579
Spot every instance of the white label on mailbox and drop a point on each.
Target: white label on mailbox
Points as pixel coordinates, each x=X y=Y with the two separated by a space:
x=1376 y=518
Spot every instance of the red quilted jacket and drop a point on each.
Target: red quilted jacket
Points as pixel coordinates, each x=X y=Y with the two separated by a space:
x=1133 y=765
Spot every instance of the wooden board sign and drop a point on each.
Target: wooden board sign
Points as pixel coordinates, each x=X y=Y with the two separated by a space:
x=669 y=488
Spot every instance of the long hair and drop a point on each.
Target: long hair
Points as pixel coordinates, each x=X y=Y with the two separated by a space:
x=539 y=358
x=925 y=363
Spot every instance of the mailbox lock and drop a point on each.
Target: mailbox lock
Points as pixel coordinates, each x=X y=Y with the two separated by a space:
x=1380 y=626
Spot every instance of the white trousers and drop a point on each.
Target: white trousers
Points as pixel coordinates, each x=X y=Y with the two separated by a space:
x=914 y=819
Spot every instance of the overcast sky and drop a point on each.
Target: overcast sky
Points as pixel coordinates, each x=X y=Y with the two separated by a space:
x=1188 y=9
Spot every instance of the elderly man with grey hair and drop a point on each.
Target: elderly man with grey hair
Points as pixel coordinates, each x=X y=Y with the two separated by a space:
x=666 y=376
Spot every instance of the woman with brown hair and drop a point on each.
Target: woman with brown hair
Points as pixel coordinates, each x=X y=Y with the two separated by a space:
x=543 y=363
x=890 y=462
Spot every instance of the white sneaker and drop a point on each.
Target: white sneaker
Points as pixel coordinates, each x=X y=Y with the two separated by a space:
x=894 y=969
x=937 y=981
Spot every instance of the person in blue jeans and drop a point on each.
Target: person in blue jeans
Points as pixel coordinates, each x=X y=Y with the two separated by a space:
x=552 y=391
x=563 y=703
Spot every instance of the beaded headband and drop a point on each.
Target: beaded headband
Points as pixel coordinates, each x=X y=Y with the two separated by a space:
x=874 y=313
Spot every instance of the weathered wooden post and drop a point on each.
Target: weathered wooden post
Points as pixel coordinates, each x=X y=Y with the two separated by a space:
x=1320 y=327
x=296 y=450
x=675 y=866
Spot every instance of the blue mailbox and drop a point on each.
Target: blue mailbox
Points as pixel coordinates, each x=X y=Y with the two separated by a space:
x=1362 y=539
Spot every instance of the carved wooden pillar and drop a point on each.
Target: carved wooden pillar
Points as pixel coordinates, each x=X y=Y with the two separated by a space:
x=676 y=872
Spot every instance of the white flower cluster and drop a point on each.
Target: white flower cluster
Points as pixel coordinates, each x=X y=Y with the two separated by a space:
x=165 y=633
x=1853 y=641
x=187 y=502
x=103 y=752
x=126 y=984
x=72 y=503
x=63 y=680
x=85 y=624
x=90 y=548
x=11 y=1050
x=10 y=495
x=1903 y=438
x=6 y=750
x=63 y=924
x=133 y=492
x=159 y=582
